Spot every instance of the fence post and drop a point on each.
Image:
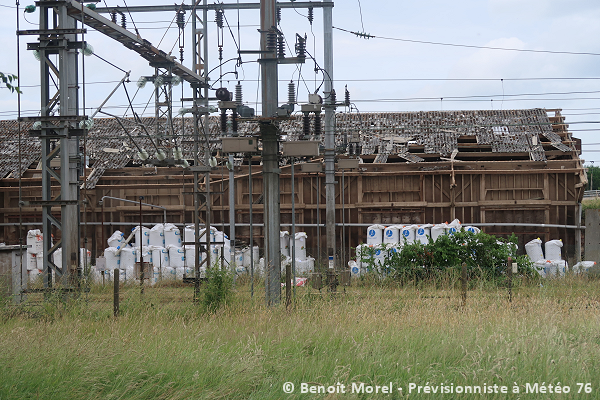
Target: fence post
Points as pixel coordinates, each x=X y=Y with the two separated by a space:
x=116 y=273
x=509 y=274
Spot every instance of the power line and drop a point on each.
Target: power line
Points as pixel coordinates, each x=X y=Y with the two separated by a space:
x=369 y=36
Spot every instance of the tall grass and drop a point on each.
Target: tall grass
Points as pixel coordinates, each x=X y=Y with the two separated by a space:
x=162 y=346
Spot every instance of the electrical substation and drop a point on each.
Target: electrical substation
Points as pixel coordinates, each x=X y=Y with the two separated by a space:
x=310 y=167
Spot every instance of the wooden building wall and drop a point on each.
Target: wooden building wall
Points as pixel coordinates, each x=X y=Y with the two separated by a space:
x=391 y=193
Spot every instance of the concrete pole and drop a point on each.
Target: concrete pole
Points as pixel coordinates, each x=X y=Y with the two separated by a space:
x=329 y=134
x=231 y=205
x=269 y=134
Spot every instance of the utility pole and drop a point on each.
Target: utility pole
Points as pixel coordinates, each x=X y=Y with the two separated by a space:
x=270 y=134
x=329 y=133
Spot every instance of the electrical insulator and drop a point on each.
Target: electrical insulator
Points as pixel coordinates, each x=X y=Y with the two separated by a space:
x=238 y=94
x=332 y=98
x=234 y=121
x=306 y=124
x=300 y=46
x=224 y=121
x=219 y=18
x=181 y=54
x=347 y=97
x=280 y=47
x=180 y=19
x=113 y=17
x=318 y=125
x=311 y=15
x=220 y=53
x=123 y=21
x=271 y=40
x=278 y=14
x=291 y=93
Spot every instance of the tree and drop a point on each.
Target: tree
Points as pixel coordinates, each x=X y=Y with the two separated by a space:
x=8 y=80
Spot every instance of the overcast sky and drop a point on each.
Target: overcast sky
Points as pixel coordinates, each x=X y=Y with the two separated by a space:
x=394 y=71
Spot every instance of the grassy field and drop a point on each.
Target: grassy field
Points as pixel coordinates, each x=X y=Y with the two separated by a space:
x=162 y=347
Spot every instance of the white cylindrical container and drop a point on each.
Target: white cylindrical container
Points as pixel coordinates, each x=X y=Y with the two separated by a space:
x=553 y=249
x=454 y=227
x=438 y=230
x=145 y=236
x=472 y=229
x=408 y=234
x=423 y=233
x=176 y=256
x=534 y=250
x=57 y=257
x=172 y=236
x=116 y=239
x=284 y=243
x=157 y=235
x=35 y=241
x=391 y=234
x=300 y=246
x=239 y=258
x=127 y=258
x=160 y=257
x=379 y=257
x=32 y=262
x=354 y=268
x=375 y=234
x=113 y=260
x=146 y=252
x=190 y=233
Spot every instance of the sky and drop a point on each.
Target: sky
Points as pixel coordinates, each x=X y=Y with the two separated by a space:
x=425 y=55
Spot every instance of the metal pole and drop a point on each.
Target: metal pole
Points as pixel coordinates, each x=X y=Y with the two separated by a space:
x=510 y=276
x=141 y=252
x=231 y=205
x=250 y=200
x=318 y=220
x=269 y=133
x=293 y=240
x=343 y=225
x=329 y=134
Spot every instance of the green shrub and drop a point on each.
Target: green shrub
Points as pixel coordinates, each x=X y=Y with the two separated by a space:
x=217 y=288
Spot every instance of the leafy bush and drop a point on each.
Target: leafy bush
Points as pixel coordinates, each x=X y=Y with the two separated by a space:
x=485 y=256
x=217 y=289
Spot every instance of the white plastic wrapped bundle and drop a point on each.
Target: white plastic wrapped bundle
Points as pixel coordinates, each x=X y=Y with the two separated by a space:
x=202 y=239
x=127 y=258
x=438 y=230
x=179 y=273
x=32 y=262
x=394 y=249
x=239 y=258
x=155 y=276
x=582 y=267
x=176 y=256
x=300 y=245
x=534 y=250
x=306 y=266
x=255 y=256
x=379 y=257
x=116 y=239
x=540 y=267
x=472 y=229
x=284 y=243
x=172 y=236
x=160 y=257
x=354 y=268
x=408 y=234
x=221 y=237
x=35 y=241
x=128 y=274
x=375 y=234
x=454 y=227
x=34 y=275
x=555 y=268
x=168 y=274
x=57 y=257
x=145 y=236
x=113 y=260
x=190 y=256
x=146 y=252
x=422 y=233
x=553 y=249
x=190 y=233
x=362 y=256
x=391 y=234
x=157 y=235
